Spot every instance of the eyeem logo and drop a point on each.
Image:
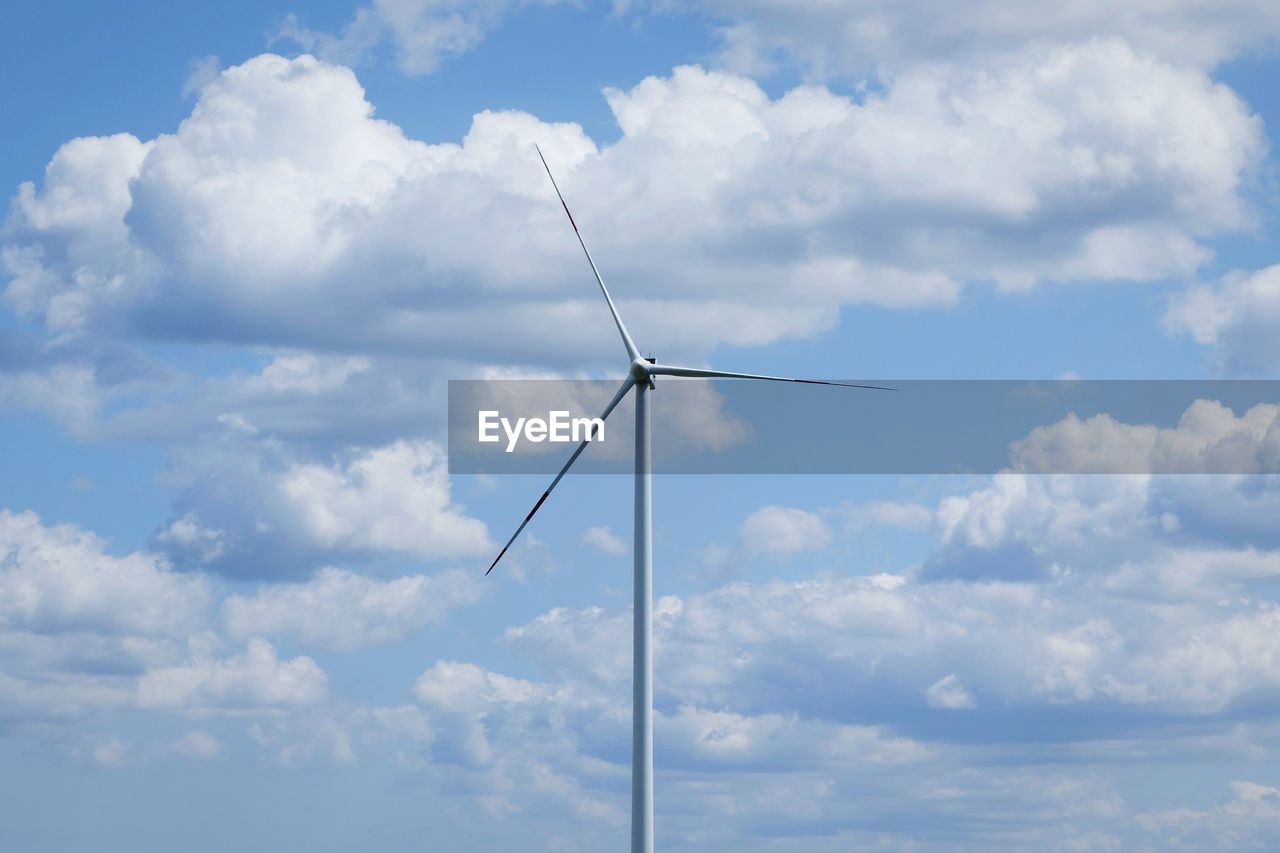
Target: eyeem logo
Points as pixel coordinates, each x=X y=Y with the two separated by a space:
x=556 y=427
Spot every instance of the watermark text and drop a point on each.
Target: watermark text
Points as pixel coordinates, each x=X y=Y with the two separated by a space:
x=558 y=426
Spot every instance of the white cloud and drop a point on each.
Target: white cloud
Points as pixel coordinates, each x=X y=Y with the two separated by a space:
x=810 y=681
x=186 y=534
x=827 y=39
x=780 y=530
x=37 y=697
x=1033 y=524
x=1222 y=508
x=818 y=645
x=424 y=32
x=249 y=506
x=342 y=610
x=851 y=37
x=464 y=687
x=67 y=393
x=250 y=222
x=392 y=498
x=1237 y=316
x=305 y=373
x=253 y=679
x=1248 y=816
x=1157 y=537
x=83 y=632
x=1252 y=798
x=1208 y=439
x=1024 y=525
x=81 y=207
x=727 y=738
x=604 y=540
x=60 y=579
x=73 y=380
x=516 y=734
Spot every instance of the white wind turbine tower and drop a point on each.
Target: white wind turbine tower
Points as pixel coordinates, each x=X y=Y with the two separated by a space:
x=640 y=376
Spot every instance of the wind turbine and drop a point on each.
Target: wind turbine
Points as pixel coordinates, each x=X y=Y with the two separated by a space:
x=641 y=377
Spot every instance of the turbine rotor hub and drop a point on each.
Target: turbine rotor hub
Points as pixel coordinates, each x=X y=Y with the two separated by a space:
x=641 y=371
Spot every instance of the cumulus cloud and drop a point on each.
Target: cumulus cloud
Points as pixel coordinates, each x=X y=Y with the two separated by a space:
x=83 y=202
x=464 y=687
x=826 y=682
x=60 y=579
x=520 y=741
x=250 y=221
x=1041 y=590
x=343 y=610
x=1237 y=317
x=395 y=498
x=506 y=730
x=853 y=649
x=187 y=536
x=253 y=679
x=1153 y=536
x=1028 y=524
x=727 y=738
x=83 y=631
x=1089 y=601
x=253 y=507
x=778 y=530
x=1208 y=439
x=1223 y=508
x=817 y=681
x=1029 y=527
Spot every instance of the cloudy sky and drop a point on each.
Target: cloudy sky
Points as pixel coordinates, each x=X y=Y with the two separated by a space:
x=246 y=245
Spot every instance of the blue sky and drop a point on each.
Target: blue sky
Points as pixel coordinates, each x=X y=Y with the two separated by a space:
x=246 y=246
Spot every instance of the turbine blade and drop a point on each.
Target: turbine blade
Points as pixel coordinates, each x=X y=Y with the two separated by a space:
x=699 y=373
x=632 y=351
x=613 y=404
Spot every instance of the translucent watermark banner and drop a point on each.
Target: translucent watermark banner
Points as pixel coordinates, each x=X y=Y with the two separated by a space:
x=921 y=427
